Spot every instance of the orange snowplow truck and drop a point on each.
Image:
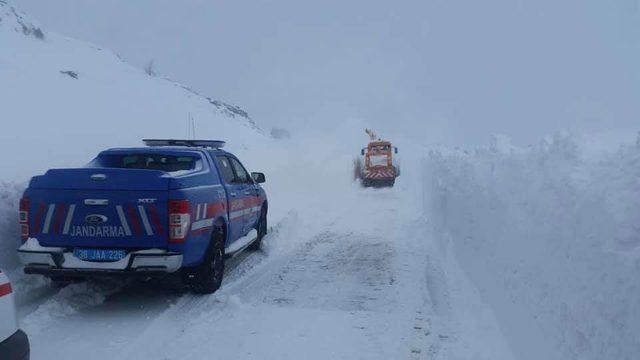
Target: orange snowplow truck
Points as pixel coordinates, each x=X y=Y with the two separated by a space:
x=378 y=163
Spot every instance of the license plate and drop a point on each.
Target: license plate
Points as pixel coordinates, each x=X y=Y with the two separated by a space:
x=99 y=254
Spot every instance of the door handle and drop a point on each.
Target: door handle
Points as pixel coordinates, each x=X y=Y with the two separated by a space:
x=233 y=194
x=248 y=192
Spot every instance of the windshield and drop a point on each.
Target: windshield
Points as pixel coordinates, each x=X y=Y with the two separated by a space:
x=378 y=149
x=167 y=163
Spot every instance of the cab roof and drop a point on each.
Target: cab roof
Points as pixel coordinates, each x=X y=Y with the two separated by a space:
x=379 y=142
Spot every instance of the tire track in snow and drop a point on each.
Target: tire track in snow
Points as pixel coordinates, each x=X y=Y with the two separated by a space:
x=332 y=271
x=192 y=309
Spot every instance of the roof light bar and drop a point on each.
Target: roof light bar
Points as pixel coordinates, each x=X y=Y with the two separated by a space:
x=214 y=144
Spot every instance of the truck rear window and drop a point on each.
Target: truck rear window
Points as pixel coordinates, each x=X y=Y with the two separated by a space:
x=167 y=163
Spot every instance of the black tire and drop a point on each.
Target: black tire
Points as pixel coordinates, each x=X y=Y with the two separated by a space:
x=206 y=278
x=261 y=227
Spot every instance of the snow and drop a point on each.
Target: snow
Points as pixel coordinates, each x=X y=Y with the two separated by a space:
x=9 y=230
x=497 y=253
x=68 y=301
x=362 y=280
x=346 y=272
x=32 y=244
x=550 y=238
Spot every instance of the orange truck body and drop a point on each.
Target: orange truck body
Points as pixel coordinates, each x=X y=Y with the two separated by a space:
x=378 y=168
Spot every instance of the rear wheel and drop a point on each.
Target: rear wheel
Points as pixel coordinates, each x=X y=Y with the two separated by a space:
x=261 y=227
x=206 y=278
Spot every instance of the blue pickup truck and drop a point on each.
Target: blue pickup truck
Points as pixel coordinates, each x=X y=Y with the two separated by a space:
x=171 y=207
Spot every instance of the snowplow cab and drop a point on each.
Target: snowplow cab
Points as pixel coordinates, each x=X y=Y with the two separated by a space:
x=377 y=165
x=379 y=154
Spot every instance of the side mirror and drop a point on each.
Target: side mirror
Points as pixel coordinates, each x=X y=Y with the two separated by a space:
x=362 y=152
x=395 y=150
x=258 y=177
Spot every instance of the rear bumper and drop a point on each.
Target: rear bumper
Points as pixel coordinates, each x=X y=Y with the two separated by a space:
x=57 y=261
x=379 y=182
x=380 y=173
x=16 y=347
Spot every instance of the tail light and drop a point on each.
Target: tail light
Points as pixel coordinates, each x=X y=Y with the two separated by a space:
x=24 y=218
x=179 y=220
x=5 y=289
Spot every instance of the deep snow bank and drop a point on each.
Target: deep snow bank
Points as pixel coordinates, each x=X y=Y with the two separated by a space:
x=9 y=231
x=550 y=238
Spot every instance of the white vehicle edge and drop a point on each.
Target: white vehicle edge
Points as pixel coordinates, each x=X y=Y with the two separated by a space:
x=14 y=344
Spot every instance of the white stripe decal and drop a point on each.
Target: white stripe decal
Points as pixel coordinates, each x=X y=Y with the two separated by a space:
x=197 y=225
x=198 y=212
x=67 y=222
x=47 y=219
x=246 y=211
x=145 y=220
x=236 y=214
x=204 y=211
x=123 y=220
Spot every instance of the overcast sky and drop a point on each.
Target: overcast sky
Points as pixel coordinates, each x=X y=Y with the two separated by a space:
x=452 y=71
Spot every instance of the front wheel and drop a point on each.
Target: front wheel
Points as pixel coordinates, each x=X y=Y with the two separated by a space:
x=206 y=278
x=261 y=227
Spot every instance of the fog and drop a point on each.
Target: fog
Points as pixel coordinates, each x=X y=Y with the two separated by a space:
x=441 y=71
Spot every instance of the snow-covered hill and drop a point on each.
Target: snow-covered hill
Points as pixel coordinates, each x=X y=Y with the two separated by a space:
x=62 y=100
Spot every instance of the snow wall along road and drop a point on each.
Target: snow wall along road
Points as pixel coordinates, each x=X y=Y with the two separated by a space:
x=550 y=237
x=9 y=230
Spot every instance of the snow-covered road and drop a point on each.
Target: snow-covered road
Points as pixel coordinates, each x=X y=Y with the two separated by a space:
x=365 y=281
